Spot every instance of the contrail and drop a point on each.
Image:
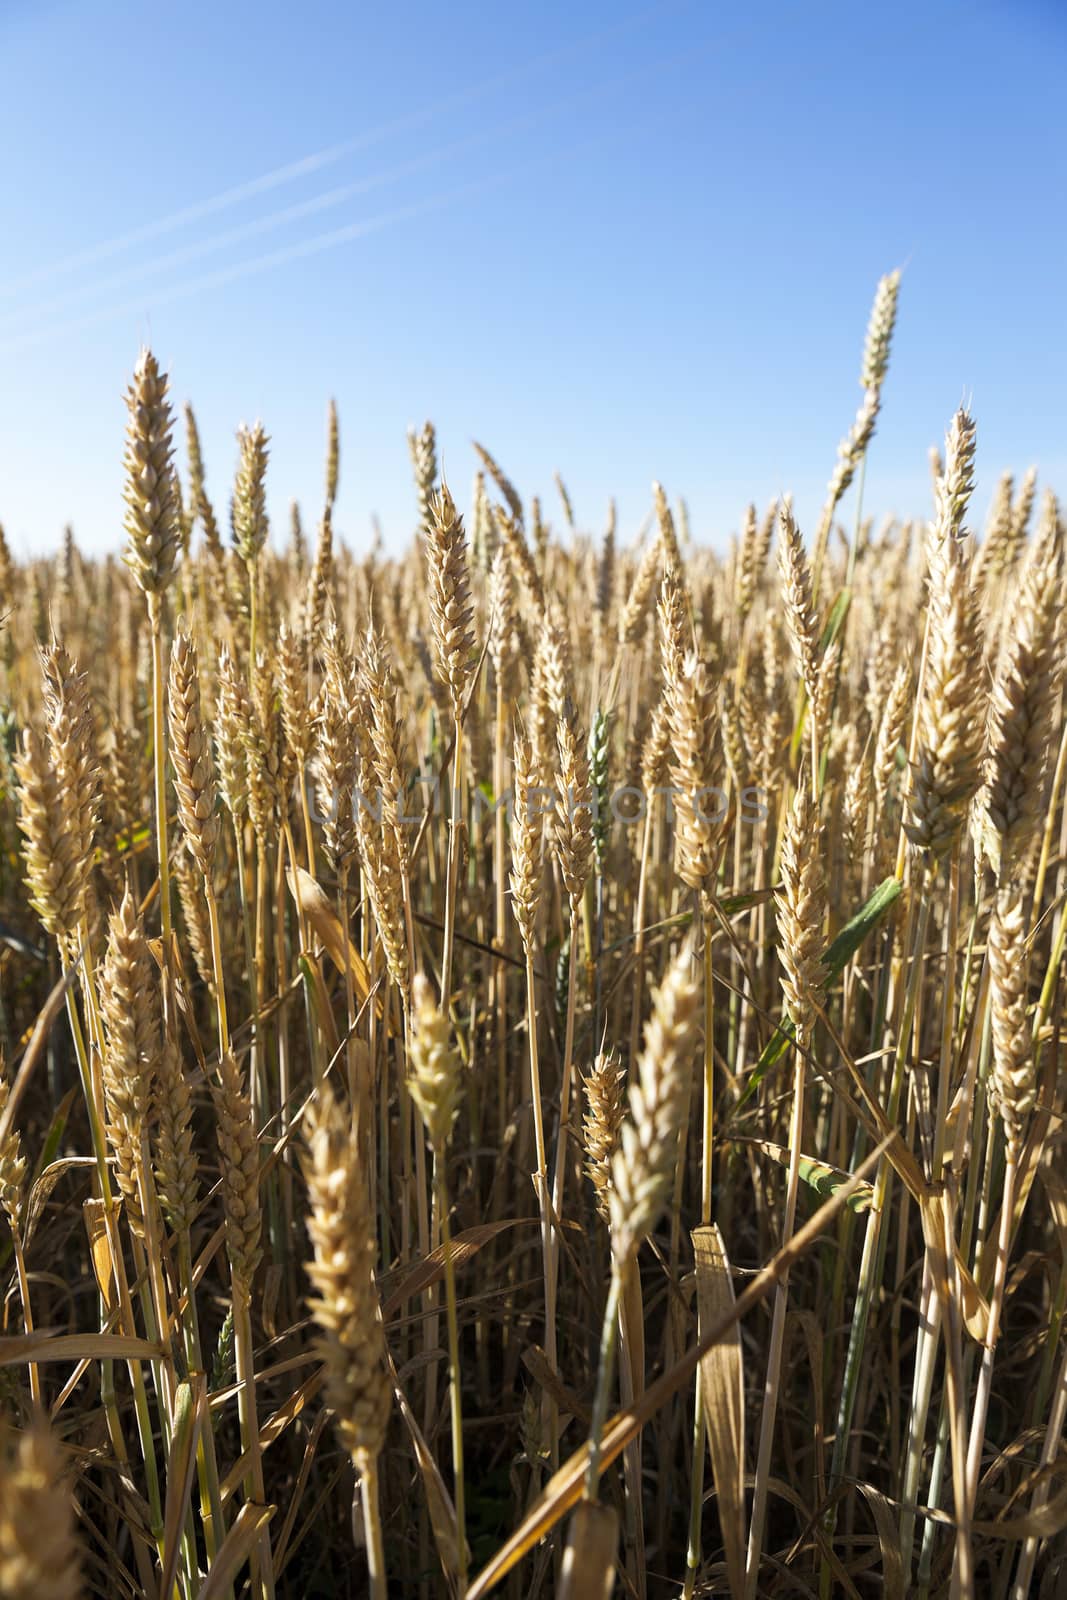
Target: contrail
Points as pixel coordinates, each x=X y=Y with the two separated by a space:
x=247 y=230
x=28 y=339
x=258 y=264
x=205 y=208
x=12 y=320
x=321 y=202
x=294 y=170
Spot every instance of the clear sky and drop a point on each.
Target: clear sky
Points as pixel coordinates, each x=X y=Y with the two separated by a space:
x=626 y=241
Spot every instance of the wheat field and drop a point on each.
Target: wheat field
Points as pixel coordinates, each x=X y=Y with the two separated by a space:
x=531 y=1064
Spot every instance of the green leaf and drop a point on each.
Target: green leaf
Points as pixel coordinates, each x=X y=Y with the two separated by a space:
x=824 y=1179
x=855 y=931
x=835 y=958
x=56 y=1129
x=772 y=1052
x=827 y=1180
x=837 y=616
x=731 y=904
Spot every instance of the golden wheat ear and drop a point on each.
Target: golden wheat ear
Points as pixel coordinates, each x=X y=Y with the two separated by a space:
x=129 y=1005
x=239 y=1164
x=249 y=493
x=152 y=523
x=435 y=1078
x=573 y=827
x=604 y=1111
x=451 y=607
x=642 y=1168
x=345 y=1304
x=39 y=1553
x=949 y=735
x=13 y=1166
x=190 y=751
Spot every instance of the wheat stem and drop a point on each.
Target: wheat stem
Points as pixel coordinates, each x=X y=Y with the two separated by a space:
x=159 y=767
x=455 y=1370
x=605 y=1376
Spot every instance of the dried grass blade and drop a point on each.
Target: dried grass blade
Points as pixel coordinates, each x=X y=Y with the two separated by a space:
x=44 y=1345
x=313 y=901
x=438 y=1500
x=235 y=1549
x=431 y=1268
x=885 y=1523
x=190 y=1409
x=722 y=1384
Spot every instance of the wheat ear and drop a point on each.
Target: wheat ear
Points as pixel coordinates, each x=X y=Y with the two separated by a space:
x=604 y=1111
x=345 y=1305
x=643 y=1166
x=39 y=1556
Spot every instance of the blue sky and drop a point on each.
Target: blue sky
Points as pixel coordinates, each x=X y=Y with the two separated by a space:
x=627 y=242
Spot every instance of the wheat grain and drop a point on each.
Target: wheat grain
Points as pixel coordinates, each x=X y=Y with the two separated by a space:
x=423 y=450
x=249 y=493
x=333 y=456
x=693 y=716
x=12 y=1164
x=239 y=1164
x=572 y=833
x=345 y=1305
x=451 y=608
x=946 y=772
x=194 y=770
x=151 y=510
x=642 y=1169
x=801 y=912
x=800 y=617
x=176 y=1163
x=39 y=1557
x=435 y=1081
x=131 y=1051
x=603 y=1085
x=1012 y=1083
x=642 y=592
x=1022 y=709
